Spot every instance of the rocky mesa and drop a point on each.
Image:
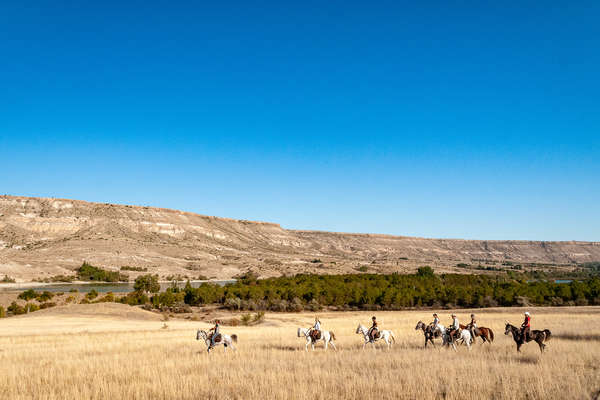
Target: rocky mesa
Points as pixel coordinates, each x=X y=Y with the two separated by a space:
x=43 y=237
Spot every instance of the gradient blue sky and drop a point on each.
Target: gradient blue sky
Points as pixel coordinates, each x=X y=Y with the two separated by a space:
x=465 y=120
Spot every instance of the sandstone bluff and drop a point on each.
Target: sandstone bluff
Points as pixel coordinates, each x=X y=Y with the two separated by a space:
x=43 y=237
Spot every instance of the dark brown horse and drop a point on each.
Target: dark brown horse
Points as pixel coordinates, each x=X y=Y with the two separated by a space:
x=539 y=336
x=427 y=331
x=486 y=334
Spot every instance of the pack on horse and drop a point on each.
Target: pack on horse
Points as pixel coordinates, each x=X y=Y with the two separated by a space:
x=521 y=337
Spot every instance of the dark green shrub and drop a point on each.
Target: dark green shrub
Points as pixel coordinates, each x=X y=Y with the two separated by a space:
x=28 y=295
x=44 y=296
x=88 y=272
x=91 y=295
x=147 y=283
x=2 y=312
x=47 y=305
x=7 y=279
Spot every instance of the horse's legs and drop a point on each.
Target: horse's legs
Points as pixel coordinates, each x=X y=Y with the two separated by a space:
x=307 y=341
x=325 y=341
x=333 y=344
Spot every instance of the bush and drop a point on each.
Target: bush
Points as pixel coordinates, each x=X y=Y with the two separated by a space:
x=88 y=272
x=70 y=299
x=136 y=269
x=134 y=299
x=47 y=305
x=44 y=296
x=92 y=294
x=7 y=279
x=28 y=295
x=2 y=312
x=147 y=283
x=108 y=298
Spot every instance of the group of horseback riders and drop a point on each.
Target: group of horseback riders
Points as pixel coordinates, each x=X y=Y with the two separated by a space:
x=454 y=329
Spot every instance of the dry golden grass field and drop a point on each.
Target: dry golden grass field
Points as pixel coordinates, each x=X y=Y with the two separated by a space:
x=111 y=351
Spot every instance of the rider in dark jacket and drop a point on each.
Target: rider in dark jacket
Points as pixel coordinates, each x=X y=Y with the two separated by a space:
x=373 y=329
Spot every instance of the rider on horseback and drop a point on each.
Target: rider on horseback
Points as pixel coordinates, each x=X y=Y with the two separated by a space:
x=315 y=331
x=215 y=333
x=472 y=325
x=525 y=326
x=373 y=330
x=435 y=323
x=454 y=327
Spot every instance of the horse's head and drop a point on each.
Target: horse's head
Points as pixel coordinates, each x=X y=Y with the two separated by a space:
x=420 y=325
x=201 y=335
x=508 y=329
x=358 y=329
x=301 y=332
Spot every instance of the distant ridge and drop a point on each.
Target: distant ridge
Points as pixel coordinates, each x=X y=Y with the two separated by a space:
x=42 y=237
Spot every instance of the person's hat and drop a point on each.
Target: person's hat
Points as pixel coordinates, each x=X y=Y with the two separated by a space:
x=472 y=315
x=453 y=315
x=373 y=317
x=434 y=314
x=526 y=312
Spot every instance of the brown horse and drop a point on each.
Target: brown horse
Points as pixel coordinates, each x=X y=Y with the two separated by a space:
x=427 y=332
x=486 y=334
x=539 y=336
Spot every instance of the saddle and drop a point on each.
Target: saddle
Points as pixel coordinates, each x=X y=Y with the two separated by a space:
x=315 y=335
x=218 y=338
x=375 y=335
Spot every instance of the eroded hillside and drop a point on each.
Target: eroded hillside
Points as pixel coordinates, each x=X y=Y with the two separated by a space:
x=42 y=237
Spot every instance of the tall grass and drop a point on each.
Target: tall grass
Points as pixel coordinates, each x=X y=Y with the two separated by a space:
x=150 y=363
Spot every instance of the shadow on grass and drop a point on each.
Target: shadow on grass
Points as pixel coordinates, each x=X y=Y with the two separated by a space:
x=593 y=337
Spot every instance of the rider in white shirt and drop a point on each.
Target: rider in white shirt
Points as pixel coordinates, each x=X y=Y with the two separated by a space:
x=435 y=323
x=455 y=326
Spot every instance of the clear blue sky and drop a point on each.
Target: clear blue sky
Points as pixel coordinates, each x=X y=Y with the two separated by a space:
x=464 y=120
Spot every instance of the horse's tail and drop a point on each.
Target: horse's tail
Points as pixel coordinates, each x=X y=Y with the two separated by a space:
x=548 y=334
x=299 y=332
x=234 y=338
x=332 y=335
x=491 y=334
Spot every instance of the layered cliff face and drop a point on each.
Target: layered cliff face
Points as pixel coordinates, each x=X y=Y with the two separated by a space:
x=41 y=237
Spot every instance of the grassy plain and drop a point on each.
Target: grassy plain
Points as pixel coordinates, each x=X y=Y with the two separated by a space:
x=111 y=352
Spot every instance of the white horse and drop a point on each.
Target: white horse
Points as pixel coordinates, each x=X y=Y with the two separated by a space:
x=225 y=340
x=326 y=336
x=387 y=336
x=464 y=338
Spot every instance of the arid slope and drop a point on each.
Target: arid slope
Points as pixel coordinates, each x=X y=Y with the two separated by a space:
x=42 y=237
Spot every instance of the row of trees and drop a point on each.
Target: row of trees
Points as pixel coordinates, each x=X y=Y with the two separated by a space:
x=390 y=292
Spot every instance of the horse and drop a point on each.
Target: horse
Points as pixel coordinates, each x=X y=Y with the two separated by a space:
x=486 y=334
x=387 y=336
x=223 y=339
x=539 y=336
x=327 y=336
x=430 y=333
x=464 y=338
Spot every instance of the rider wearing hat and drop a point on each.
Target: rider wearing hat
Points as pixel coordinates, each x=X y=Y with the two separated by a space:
x=525 y=326
x=454 y=327
x=373 y=329
x=215 y=333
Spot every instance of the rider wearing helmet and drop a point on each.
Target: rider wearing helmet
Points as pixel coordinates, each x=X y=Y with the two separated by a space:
x=215 y=333
x=525 y=326
x=373 y=329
